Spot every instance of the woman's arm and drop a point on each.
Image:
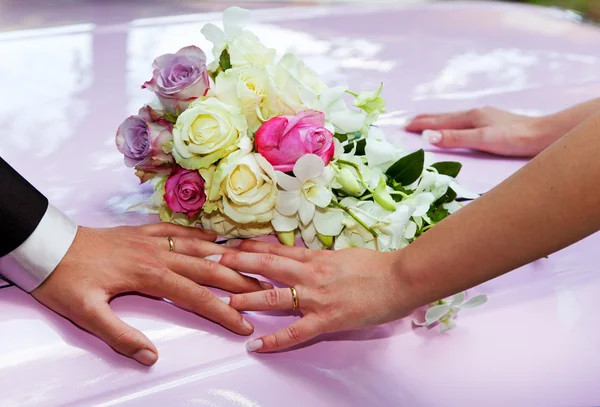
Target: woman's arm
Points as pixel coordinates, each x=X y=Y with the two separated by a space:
x=549 y=204
x=499 y=132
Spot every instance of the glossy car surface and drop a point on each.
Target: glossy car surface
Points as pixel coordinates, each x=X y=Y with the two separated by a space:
x=70 y=73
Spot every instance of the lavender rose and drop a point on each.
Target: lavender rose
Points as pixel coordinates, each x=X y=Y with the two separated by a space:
x=184 y=191
x=140 y=139
x=179 y=78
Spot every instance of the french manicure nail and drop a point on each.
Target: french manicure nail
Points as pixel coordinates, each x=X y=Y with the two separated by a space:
x=233 y=243
x=226 y=300
x=214 y=257
x=432 y=136
x=265 y=286
x=248 y=325
x=145 y=357
x=254 y=345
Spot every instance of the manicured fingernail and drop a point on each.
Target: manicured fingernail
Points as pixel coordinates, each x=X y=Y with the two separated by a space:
x=265 y=286
x=145 y=357
x=215 y=257
x=248 y=325
x=432 y=136
x=254 y=345
x=226 y=300
x=233 y=243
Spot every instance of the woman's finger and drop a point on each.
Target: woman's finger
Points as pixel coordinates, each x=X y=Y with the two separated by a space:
x=100 y=320
x=165 y=229
x=282 y=269
x=460 y=120
x=298 y=332
x=472 y=138
x=197 y=299
x=213 y=274
x=278 y=299
x=297 y=253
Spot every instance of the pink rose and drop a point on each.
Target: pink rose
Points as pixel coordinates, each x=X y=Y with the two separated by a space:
x=184 y=191
x=141 y=138
x=179 y=78
x=282 y=140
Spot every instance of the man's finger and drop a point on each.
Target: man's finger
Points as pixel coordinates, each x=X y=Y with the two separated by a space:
x=282 y=269
x=210 y=273
x=165 y=229
x=278 y=299
x=472 y=138
x=197 y=299
x=297 y=253
x=300 y=331
x=190 y=246
x=102 y=322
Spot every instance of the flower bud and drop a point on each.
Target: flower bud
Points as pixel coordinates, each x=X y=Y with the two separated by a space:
x=326 y=240
x=287 y=238
x=348 y=181
x=383 y=197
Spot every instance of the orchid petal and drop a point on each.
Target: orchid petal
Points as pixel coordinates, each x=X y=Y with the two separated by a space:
x=329 y=222
x=319 y=196
x=410 y=230
x=447 y=325
x=436 y=312
x=458 y=299
x=306 y=211
x=288 y=182
x=309 y=166
x=463 y=192
x=475 y=301
x=288 y=202
x=284 y=223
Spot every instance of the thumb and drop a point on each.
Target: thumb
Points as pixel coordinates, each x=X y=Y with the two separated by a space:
x=471 y=138
x=100 y=320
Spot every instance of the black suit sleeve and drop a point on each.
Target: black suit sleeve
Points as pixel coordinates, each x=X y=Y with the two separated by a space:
x=21 y=208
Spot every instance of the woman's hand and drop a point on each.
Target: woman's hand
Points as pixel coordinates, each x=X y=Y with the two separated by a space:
x=103 y=263
x=342 y=290
x=490 y=130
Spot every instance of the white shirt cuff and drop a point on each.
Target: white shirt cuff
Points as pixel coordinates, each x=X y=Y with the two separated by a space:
x=30 y=264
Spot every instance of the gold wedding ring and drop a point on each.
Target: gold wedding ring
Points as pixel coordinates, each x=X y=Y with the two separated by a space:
x=295 y=298
x=171 y=244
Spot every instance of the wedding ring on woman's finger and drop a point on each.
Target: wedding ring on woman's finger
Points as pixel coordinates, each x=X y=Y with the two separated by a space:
x=171 y=244
x=295 y=298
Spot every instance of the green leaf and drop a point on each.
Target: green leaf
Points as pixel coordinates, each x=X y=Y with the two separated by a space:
x=360 y=147
x=408 y=169
x=448 y=197
x=341 y=137
x=225 y=60
x=449 y=168
x=437 y=214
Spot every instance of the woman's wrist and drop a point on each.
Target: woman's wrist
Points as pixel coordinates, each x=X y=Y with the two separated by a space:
x=409 y=293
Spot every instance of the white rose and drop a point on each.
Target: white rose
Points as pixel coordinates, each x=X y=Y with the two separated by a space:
x=247 y=88
x=207 y=131
x=224 y=226
x=296 y=84
x=244 y=187
x=243 y=46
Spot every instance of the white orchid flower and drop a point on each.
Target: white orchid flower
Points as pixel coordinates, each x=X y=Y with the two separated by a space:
x=331 y=102
x=445 y=312
x=309 y=188
x=380 y=153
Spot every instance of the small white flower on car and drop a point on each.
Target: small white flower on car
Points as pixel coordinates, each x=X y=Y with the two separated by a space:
x=445 y=312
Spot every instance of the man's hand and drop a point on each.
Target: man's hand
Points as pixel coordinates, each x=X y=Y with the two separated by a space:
x=103 y=263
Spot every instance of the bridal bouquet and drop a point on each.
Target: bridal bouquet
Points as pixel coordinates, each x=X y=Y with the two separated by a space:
x=252 y=145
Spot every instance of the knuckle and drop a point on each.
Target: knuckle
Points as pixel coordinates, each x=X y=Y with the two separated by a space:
x=203 y=295
x=267 y=260
x=293 y=334
x=272 y=298
x=272 y=342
